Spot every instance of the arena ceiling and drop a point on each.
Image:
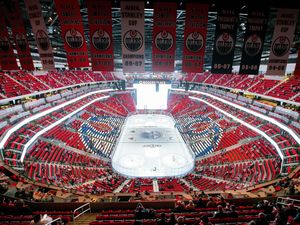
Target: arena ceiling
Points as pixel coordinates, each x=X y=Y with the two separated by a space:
x=52 y=22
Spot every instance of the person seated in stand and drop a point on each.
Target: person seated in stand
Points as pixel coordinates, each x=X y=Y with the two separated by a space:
x=180 y=206
x=172 y=220
x=139 y=210
x=40 y=220
x=202 y=195
x=221 y=201
x=162 y=220
x=297 y=217
x=220 y=213
x=262 y=219
x=204 y=220
x=200 y=203
x=142 y=212
x=290 y=210
x=181 y=220
x=211 y=203
x=232 y=213
x=190 y=206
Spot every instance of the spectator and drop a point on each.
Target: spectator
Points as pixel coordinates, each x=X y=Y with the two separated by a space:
x=180 y=206
x=290 y=210
x=262 y=219
x=211 y=203
x=200 y=203
x=202 y=195
x=172 y=220
x=162 y=220
x=190 y=206
x=40 y=220
x=180 y=220
x=204 y=220
x=219 y=213
x=139 y=210
x=232 y=213
x=221 y=202
x=297 y=217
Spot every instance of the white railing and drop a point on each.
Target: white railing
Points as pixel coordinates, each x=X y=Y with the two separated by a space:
x=81 y=210
x=287 y=200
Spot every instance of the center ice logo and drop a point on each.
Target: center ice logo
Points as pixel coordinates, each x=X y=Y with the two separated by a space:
x=224 y=44
x=74 y=38
x=4 y=44
x=164 y=41
x=194 y=42
x=101 y=40
x=21 y=41
x=153 y=135
x=253 y=45
x=42 y=40
x=133 y=40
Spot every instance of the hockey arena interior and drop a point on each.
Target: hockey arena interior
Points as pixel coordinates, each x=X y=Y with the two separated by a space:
x=149 y=112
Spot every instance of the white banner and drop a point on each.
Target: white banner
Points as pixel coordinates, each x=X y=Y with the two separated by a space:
x=133 y=36
x=40 y=32
x=283 y=36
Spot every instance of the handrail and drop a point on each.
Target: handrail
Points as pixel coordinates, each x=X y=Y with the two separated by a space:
x=57 y=220
x=81 y=208
x=288 y=200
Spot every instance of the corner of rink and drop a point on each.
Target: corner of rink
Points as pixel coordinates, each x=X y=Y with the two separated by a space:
x=151 y=146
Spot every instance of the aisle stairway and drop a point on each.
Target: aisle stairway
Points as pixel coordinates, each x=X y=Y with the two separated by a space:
x=84 y=219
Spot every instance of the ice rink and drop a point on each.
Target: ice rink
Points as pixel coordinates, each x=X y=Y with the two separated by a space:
x=151 y=146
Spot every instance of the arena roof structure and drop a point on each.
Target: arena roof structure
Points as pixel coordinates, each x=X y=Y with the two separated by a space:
x=54 y=30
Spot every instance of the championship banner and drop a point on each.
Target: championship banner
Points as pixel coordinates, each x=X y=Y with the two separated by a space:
x=7 y=58
x=40 y=32
x=19 y=34
x=225 y=37
x=100 y=23
x=194 y=37
x=164 y=36
x=282 y=40
x=70 y=21
x=133 y=36
x=254 y=41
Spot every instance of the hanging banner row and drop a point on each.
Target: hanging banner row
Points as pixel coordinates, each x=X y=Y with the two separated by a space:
x=133 y=37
